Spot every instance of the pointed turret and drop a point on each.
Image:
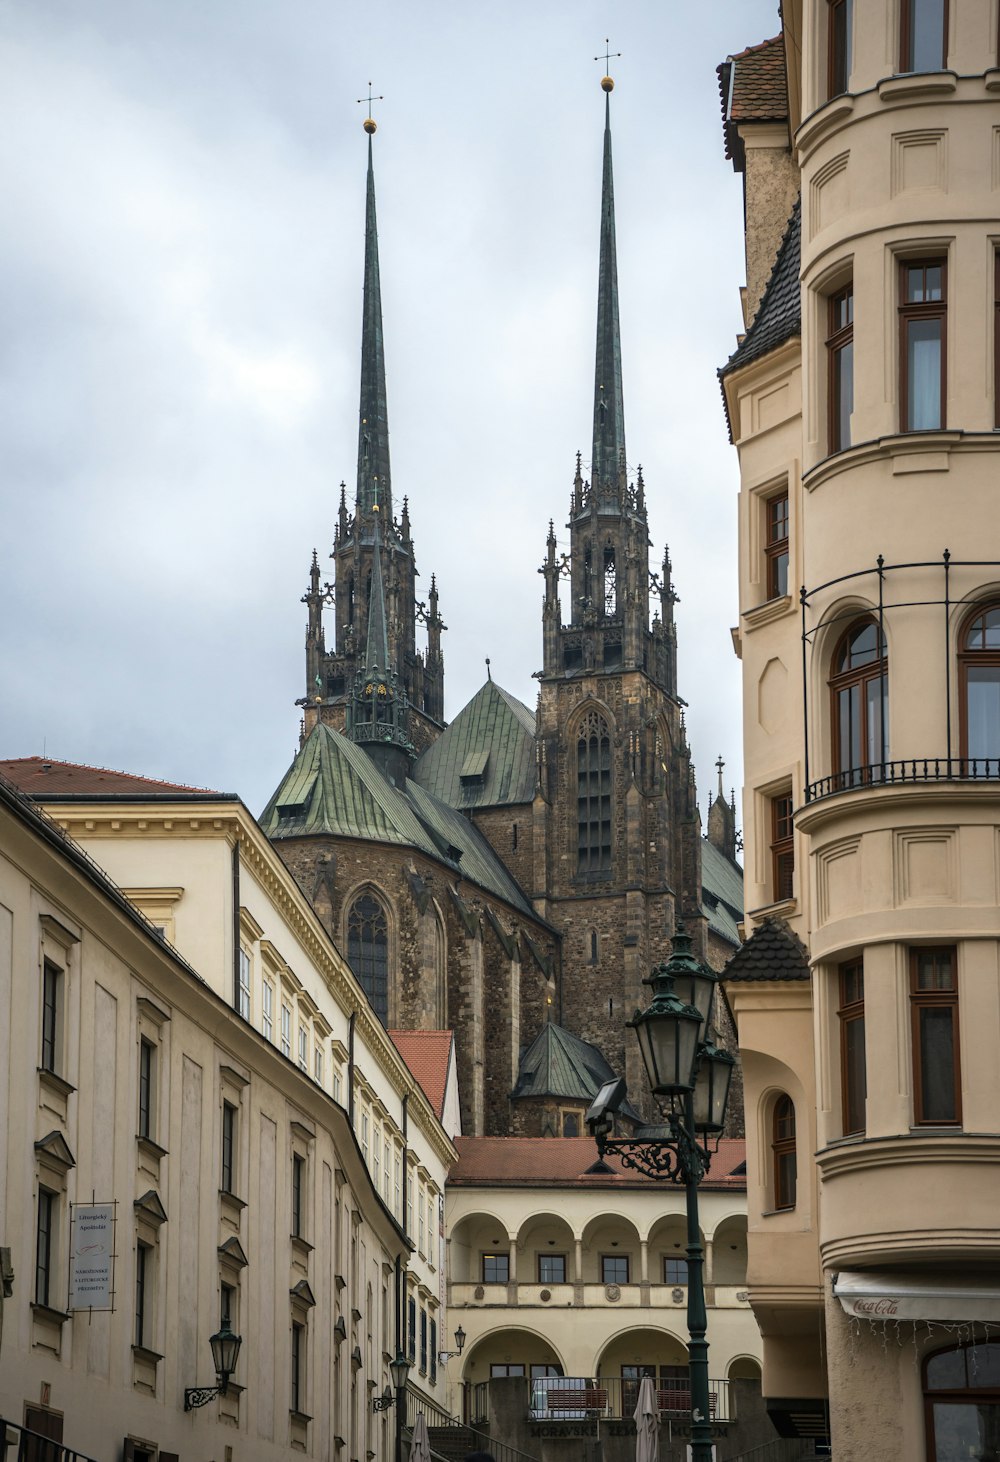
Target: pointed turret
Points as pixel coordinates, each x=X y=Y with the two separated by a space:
x=373 y=427
x=609 y=403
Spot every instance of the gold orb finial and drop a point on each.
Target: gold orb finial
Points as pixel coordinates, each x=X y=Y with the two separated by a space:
x=607 y=83
x=370 y=125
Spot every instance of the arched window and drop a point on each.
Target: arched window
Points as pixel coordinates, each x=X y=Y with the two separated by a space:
x=859 y=685
x=593 y=796
x=783 y=1152
x=368 y=951
x=962 y=1399
x=979 y=664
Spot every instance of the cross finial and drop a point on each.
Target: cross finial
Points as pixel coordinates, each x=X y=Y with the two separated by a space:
x=720 y=767
x=369 y=123
x=606 y=81
x=489 y=673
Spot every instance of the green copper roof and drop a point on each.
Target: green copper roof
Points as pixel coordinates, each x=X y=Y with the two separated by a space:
x=333 y=788
x=560 y=1064
x=721 y=893
x=486 y=757
x=609 y=402
x=373 y=424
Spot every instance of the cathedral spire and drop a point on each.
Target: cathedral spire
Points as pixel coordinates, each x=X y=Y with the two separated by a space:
x=609 y=405
x=373 y=428
x=377 y=650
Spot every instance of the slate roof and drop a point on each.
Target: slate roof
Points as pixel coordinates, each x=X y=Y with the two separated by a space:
x=753 y=88
x=721 y=893
x=486 y=757
x=558 y=1063
x=334 y=788
x=428 y=1055
x=773 y=952
x=779 y=314
x=41 y=777
x=562 y=1162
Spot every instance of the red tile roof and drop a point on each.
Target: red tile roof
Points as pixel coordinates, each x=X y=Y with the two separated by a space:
x=753 y=88
x=428 y=1054
x=40 y=777
x=563 y=1162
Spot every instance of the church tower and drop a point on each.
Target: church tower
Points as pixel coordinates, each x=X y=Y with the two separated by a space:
x=367 y=540
x=617 y=846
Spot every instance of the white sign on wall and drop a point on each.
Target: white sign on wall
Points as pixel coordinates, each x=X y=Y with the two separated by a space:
x=91 y=1256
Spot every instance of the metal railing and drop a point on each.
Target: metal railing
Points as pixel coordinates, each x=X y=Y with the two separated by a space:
x=577 y=1398
x=18 y=1444
x=911 y=770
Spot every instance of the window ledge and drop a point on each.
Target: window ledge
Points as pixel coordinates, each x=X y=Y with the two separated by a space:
x=57 y=1084
x=46 y=1312
x=149 y=1147
x=302 y=1417
x=143 y=1353
x=783 y=909
x=917 y=83
x=230 y=1201
x=770 y=610
x=991 y=80
x=301 y=1246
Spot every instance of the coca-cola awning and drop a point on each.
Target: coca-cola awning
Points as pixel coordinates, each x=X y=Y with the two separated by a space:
x=884 y=1296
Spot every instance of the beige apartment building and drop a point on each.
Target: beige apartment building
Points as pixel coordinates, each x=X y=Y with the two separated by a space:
x=864 y=402
x=195 y=1069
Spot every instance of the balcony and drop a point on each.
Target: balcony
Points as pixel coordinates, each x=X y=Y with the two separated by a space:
x=579 y=1398
x=912 y=771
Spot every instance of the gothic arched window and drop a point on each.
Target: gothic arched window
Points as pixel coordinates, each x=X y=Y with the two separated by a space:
x=593 y=795
x=859 y=686
x=368 y=951
x=979 y=659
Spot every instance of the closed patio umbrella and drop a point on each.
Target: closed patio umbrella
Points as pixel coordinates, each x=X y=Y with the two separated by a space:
x=647 y=1435
x=420 y=1446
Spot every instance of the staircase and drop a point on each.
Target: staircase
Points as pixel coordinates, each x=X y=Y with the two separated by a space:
x=454 y=1443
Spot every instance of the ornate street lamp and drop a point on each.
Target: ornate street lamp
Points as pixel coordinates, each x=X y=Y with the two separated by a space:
x=225 y=1353
x=689 y=1074
x=444 y=1356
x=399 y=1370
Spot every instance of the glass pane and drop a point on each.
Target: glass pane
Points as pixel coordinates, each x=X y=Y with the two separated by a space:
x=779 y=572
x=983 y=710
x=843 y=394
x=935 y=970
x=923 y=363
x=875 y=695
x=848 y=702
x=855 y=1083
x=937 y=1064
x=965 y=1430
x=946 y=1372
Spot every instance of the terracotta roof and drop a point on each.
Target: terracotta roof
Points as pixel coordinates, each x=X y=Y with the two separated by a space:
x=41 y=777
x=560 y=1162
x=752 y=88
x=773 y=952
x=428 y=1055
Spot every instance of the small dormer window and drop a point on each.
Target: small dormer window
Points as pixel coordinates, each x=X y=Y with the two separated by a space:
x=473 y=773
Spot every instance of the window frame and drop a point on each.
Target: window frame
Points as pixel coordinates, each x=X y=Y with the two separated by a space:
x=840 y=337
x=839 y=55
x=617 y=1259
x=143 y=1251
x=297 y=1229
x=595 y=777
x=966 y=659
x=46 y=1243
x=548 y=1259
x=297 y=1368
x=229 y=1154
x=782 y=847
x=955 y=1395
x=147 y=1089
x=367 y=948
x=841 y=680
x=680 y=1282
x=783 y=1146
x=243 y=983
x=267 y=1009
x=53 y=996
x=776 y=545
x=850 y=1011
x=906 y=39
x=501 y=1260
x=911 y=311
x=921 y=1000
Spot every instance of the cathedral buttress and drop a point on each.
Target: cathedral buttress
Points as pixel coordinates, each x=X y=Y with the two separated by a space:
x=335 y=655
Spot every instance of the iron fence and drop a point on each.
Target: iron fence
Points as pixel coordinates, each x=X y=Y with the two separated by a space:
x=577 y=1398
x=911 y=770
x=18 y=1444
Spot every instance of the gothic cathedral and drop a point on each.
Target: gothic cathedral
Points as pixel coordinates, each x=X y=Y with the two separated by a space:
x=514 y=874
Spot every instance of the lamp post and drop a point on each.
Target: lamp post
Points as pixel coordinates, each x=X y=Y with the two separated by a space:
x=225 y=1353
x=399 y=1370
x=690 y=1076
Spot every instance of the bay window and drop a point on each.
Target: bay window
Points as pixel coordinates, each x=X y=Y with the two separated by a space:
x=923 y=316
x=937 y=1097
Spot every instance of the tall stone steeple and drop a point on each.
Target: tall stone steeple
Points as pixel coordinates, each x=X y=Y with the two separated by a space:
x=616 y=832
x=378 y=712
x=370 y=548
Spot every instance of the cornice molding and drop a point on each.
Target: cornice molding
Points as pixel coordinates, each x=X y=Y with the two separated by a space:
x=906 y=1150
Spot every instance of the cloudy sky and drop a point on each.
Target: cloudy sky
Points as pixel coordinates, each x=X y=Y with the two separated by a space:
x=180 y=286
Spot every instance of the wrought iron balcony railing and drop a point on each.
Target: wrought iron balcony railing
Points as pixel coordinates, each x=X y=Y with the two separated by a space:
x=910 y=770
